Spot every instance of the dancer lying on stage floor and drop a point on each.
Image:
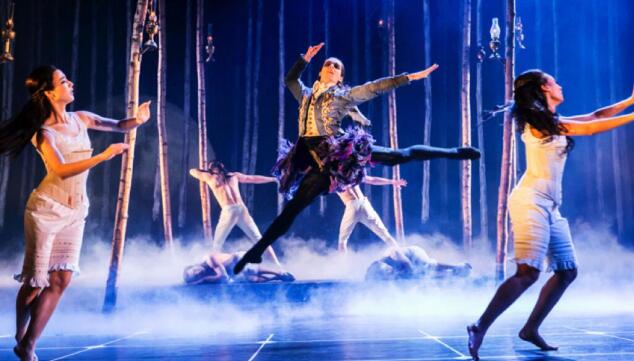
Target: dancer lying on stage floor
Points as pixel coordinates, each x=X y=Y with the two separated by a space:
x=359 y=209
x=225 y=188
x=218 y=268
x=327 y=159
x=412 y=262
x=540 y=232
x=56 y=210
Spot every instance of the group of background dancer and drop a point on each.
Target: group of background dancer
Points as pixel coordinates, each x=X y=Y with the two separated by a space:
x=326 y=158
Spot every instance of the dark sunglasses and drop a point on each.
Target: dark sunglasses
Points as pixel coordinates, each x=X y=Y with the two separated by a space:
x=335 y=64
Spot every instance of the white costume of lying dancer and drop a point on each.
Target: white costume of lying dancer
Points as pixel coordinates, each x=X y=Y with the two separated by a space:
x=359 y=209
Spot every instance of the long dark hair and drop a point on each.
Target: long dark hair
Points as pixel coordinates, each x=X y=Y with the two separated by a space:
x=218 y=168
x=531 y=107
x=16 y=132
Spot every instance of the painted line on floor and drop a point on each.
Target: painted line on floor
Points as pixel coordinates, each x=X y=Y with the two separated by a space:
x=93 y=347
x=263 y=343
x=599 y=333
x=504 y=357
x=461 y=356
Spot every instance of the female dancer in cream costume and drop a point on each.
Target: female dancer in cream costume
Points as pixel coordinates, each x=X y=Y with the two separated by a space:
x=55 y=212
x=540 y=232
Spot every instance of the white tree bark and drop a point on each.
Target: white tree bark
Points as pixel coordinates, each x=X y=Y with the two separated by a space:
x=465 y=108
x=127 y=159
x=202 y=121
x=396 y=172
x=505 y=171
x=162 y=128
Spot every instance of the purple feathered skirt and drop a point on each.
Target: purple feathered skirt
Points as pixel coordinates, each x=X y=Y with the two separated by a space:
x=343 y=157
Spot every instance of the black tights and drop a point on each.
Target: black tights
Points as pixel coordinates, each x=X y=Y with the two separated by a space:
x=392 y=157
x=312 y=185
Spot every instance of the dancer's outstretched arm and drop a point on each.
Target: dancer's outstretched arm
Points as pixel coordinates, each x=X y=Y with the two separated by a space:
x=372 y=89
x=97 y=122
x=595 y=126
x=255 y=179
x=605 y=112
x=200 y=175
x=55 y=160
x=292 y=81
x=379 y=181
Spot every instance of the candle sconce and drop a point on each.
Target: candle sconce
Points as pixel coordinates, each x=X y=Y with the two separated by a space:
x=210 y=49
x=151 y=28
x=8 y=36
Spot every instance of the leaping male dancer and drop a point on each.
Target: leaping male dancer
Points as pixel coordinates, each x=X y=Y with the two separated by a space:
x=325 y=158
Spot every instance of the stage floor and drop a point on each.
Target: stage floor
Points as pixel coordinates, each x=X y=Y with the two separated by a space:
x=353 y=338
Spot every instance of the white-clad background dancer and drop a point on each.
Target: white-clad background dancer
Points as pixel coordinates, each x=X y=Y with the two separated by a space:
x=225 y=188
x=359 y=210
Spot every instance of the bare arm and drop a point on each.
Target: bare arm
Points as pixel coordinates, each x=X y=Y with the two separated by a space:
x=591 y=127
x=605 y=112
x=255 y=179
x=97 y=122
x=56 y=163
x=219 y=268
x=379 y=181
x=200 y=175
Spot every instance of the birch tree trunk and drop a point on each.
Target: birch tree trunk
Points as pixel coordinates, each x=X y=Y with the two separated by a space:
x=505 y=171
x=75 y=46
x=202 y=121
x=555 y=38
x=323 y=200
x=182 y=196
x=7 y=110
x=127 y=159
x=156 y=190
x=248 y=114
x=616 y=148
x=396 y=173
x=162 y=128
x=367 y=57
x=424 y=214
x=280 y=89
x=484 y=217
x=253 y=153
x=107 y=167
x=100 y=140
x=465 y=108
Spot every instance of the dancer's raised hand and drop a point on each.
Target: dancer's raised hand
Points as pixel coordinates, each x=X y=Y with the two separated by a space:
x=143 y=114
x=312 y=51
x=422 y=74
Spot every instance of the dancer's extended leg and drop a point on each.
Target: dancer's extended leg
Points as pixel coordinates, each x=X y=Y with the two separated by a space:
x=311 y=186
x=390 y=156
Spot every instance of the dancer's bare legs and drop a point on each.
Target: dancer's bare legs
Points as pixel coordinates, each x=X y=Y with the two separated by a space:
x=548 y=297
x=509 y=291
x=23 y=303
x=41 y=311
